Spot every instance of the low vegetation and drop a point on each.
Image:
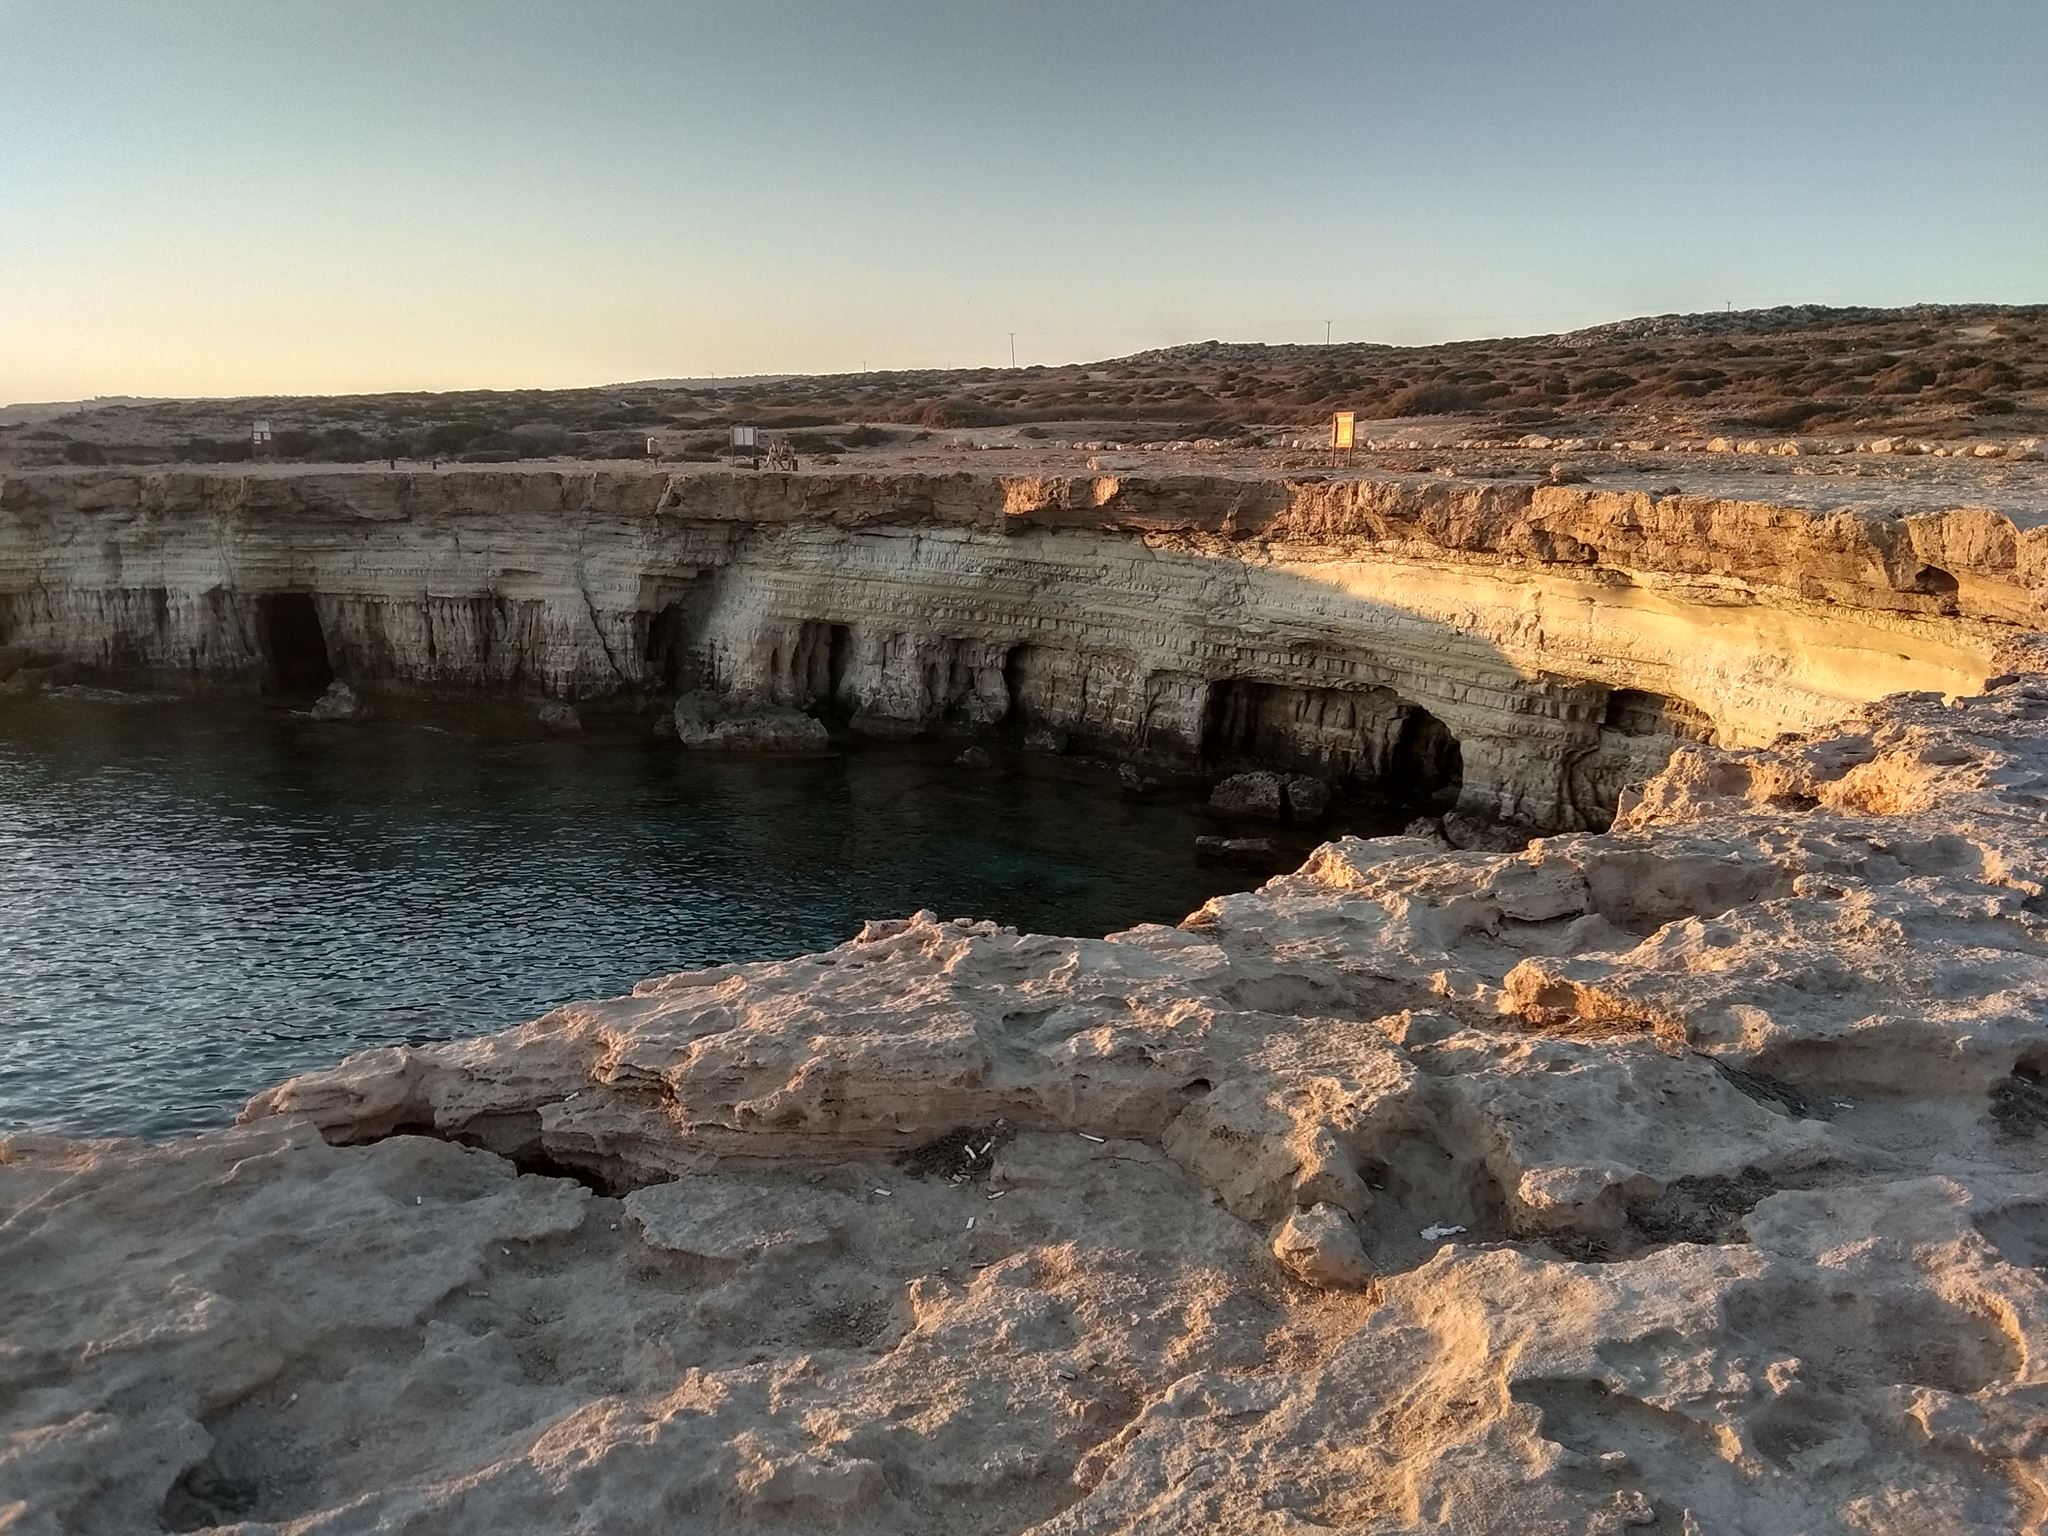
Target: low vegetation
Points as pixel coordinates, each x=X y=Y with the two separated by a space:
x=1938 y=370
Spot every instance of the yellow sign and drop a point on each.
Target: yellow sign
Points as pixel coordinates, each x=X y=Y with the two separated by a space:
x=1343 y=429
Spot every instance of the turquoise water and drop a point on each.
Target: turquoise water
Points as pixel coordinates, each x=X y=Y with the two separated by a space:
x=200 y=898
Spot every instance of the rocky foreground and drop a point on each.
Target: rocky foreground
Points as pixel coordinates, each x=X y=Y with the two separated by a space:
x=1688 y=1177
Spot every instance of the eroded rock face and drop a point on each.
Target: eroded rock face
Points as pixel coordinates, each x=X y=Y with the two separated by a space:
x=1691 y=1176
x=1522 y=650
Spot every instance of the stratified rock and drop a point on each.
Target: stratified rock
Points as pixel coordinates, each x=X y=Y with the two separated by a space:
x=340 y=702
x=1524 y=651
x=1321 y=1246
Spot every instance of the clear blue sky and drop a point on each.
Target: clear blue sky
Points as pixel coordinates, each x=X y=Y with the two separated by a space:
x=231 y=196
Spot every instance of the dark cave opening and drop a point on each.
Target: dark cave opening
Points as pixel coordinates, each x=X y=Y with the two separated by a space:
x=1016 y=670
x=1427 y=766
x=668 y=647
x=294 y=644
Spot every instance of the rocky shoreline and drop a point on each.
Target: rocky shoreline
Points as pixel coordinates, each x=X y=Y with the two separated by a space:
x=1524 y=650
x=1690 y=1176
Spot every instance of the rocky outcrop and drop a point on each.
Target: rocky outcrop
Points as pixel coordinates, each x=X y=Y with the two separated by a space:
x=1690 y=1176
x=706 y=725
x=1524 y=649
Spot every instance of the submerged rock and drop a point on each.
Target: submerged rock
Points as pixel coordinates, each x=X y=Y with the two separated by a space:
x=1236 y=850
x=340 y=702
x=706 y=726
x=1272 y=797
x=885 y=727
x=1045 y=739
x=1134 y=781
x=1250 y=794
x=558 y=715
x=974 y=757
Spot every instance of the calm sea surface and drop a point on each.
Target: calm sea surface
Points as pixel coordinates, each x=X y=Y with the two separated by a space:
x=198 y=898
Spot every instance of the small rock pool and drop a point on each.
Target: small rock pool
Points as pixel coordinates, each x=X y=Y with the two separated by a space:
x=199 y=897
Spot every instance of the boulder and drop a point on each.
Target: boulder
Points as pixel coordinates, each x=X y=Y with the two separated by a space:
x=1133 y=781
x=974 y=757
x=1272 y=797
x=705 y=726
x=558 y=715
x=340 y=702
x=1307 y=799
x=1262 y=795
x=1321 y=1247
x=1045 y=739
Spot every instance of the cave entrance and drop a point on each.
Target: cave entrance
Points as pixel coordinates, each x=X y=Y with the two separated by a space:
x=1017 y=667
x=294 y=645
x=668 y=646
x=838 y=656
x=1230 y=722
x=1426 y=765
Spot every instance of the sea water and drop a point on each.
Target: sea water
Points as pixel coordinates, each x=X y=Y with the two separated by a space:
x=200 y=897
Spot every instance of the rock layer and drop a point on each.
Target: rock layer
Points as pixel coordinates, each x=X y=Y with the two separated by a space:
x=1528 y=649
x=1691 y=1176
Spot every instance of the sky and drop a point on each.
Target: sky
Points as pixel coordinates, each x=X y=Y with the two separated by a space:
x=254 y=196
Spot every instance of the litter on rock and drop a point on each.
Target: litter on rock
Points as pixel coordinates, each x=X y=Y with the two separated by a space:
x=970 y=1223
x=1435 y=1232
x=1098 y=1140
x=881 y=1191
x=999 y=1194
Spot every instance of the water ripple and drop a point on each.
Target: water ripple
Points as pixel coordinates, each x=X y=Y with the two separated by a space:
x=199 y=899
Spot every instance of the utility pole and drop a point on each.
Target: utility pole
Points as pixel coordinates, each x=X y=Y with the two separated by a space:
x=1013 y=349
x=1326 y=331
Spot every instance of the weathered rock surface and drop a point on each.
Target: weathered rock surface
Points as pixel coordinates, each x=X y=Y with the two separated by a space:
x=1525 y=649
x=1693 y=1176
x=707 y=725
x=339 y=702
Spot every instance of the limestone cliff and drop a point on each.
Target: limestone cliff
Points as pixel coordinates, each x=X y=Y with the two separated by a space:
x=1690 y=1177
x=1531 y=647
